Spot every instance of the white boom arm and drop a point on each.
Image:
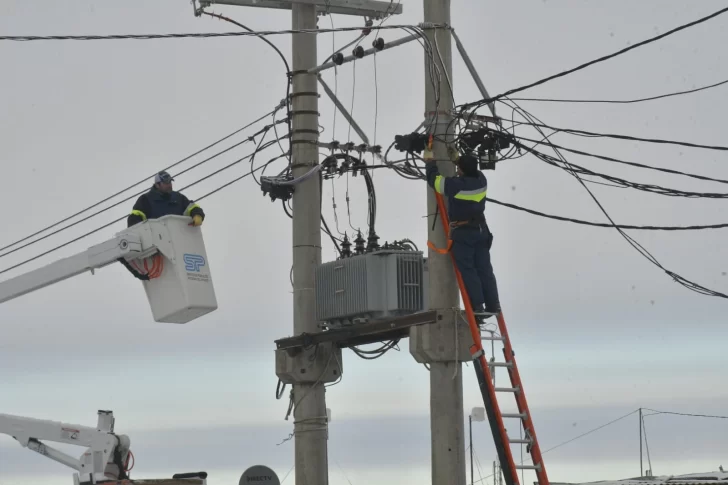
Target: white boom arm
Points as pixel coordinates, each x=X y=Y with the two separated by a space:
x=103 y=459
x=181 y=292
x=127 y=245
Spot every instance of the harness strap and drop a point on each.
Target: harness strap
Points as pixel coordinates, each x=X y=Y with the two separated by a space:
x=432 y=246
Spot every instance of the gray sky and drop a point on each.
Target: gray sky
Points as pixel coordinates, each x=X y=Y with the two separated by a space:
x=599 y=330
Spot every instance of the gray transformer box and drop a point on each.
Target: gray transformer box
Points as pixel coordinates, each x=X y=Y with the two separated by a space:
x=384 y=283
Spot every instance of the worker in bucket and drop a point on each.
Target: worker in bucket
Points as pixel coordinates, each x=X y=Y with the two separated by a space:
x=470 y=237
x=161 y=201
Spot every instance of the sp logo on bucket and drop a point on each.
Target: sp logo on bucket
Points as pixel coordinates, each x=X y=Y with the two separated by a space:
x=193 y=262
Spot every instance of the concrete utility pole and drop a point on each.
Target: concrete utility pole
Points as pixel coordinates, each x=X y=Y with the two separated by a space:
x=310 y=368
x=310 y=423
x=443 y=345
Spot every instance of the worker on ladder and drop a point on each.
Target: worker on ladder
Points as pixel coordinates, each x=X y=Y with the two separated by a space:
x=161 y=201
x=470 y=238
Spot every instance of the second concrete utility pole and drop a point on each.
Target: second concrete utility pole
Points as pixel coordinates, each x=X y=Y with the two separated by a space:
x=447 y=418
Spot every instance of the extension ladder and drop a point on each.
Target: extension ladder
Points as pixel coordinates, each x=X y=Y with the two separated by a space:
x=489 y=391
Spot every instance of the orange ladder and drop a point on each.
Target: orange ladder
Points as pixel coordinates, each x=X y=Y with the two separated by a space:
x=489 y=391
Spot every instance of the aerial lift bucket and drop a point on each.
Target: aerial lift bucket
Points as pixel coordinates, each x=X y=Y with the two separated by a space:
x=181 y=288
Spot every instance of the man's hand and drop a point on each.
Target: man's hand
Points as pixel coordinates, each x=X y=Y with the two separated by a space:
x=196 y=221
x=453 y=153
x=428 y=156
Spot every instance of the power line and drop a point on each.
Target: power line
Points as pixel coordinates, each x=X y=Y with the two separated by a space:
x=627 y=137
x=618 y=101
x=280 y=54
x=637 y=246
x=578 y=437
x=573 y=168
x=30 y=38
x=595 y=61
x=604 y=224
x=137 y=183
x=591 y=431
x=633 y=164
x=60 y=246
x=289 y=472
x=655 y=411
x=57 y=231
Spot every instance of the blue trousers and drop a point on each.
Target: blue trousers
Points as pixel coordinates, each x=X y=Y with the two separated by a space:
x=471 y=250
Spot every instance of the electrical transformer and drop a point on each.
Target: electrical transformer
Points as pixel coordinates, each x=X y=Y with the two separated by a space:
x=379 y=284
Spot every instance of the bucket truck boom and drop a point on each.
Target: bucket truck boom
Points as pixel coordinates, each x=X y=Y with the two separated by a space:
x=106 y=457
x=178 y=284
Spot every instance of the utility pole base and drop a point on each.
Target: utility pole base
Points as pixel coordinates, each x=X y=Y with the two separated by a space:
x=321 y=363
x=448 y=340
x=447 y=423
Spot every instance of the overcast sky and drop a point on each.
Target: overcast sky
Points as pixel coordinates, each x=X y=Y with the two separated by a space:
x=599 y=330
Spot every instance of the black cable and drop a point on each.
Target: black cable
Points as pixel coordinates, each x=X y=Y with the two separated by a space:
x=257 y=149
x=270 y=143
x=324 y=228
x=618 y=101
x=655 y=412
x=358 y=164
x=328 y=232
x=57 y=231
x=285 y=208
x=655 y=189
x=627 y=137
x=604 y=224
x=138 y=183
x=377 y=353
x=633 y=164
x=203 y=35
x=637 y=246
x=323 y=221
x=60 y=246
x=280 y=54
x=601 y=59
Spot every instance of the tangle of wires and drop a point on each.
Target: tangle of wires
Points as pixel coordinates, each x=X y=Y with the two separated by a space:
x=378 y=352
x=579 y=172
x=616 y=181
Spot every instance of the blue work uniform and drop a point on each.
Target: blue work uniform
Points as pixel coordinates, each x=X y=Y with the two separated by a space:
x=470 y=235
x=155 y=204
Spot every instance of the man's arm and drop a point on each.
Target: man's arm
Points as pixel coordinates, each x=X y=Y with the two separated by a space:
x=446 y=186
x=193 y=210
x=139 y=211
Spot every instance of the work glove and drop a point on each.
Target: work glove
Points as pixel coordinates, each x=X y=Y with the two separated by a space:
x=196 y=220
x=453 y=153
x=428 y=156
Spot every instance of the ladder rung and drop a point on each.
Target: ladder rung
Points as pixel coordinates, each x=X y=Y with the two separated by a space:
x=529 y=467
x=514 y=415
x=519 y=441
x=486 y=337
x=500 y=364
x=507 y=389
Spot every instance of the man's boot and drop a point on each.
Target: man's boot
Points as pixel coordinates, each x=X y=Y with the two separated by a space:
x=481 y=315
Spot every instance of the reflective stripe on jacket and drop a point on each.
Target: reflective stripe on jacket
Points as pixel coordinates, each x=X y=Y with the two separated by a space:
x=155 y=204
x=465 y=195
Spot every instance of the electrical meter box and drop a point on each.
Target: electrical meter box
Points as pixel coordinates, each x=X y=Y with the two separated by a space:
x=183 y=290
x=380 y=284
